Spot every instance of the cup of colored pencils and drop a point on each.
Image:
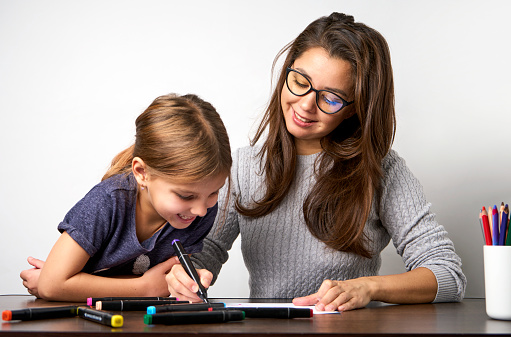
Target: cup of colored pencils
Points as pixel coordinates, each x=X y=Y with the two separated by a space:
x=495 y=225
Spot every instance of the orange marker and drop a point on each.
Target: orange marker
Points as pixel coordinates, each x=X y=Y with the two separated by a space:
x=29 y=314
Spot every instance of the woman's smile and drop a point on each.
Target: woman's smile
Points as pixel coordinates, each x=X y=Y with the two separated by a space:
x=301 y=121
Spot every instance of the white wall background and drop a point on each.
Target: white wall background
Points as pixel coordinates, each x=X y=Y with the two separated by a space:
x=75 y=74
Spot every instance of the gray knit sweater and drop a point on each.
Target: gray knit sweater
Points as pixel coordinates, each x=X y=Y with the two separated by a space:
x=285 y=261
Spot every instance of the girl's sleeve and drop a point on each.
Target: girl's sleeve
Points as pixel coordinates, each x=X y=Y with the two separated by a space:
x=418 y=237
x=225 y=230
x=88 y=222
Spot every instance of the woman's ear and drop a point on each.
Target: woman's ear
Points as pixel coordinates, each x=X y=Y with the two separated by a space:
x=139 y=169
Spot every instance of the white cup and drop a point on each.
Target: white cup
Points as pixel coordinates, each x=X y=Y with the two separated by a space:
x=497 y=281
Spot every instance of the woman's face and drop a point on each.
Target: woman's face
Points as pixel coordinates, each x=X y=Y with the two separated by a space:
x=304 y=120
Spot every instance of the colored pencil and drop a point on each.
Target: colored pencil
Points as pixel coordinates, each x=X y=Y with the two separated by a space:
x=486 y=227
x=495 y=224
x=505 y=217
x=503 y=225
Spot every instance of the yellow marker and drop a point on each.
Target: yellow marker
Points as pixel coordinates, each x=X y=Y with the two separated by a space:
x=102 y=317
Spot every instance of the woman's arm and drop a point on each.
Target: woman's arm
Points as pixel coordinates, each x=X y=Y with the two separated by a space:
x=416 y=286
x=434 y=269
x=61 y=278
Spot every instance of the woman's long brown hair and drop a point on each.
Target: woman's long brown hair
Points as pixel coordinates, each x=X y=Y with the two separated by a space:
x=348 y=172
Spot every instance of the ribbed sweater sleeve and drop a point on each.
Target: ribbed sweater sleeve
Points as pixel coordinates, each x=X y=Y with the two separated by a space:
x=225 y=229
x=415 y=233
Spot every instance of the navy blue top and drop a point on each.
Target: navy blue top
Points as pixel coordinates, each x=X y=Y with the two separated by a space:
x=103 y=224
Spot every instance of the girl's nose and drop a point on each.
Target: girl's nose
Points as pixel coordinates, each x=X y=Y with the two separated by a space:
x=199 y=209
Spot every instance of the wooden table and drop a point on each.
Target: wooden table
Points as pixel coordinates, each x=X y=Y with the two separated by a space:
x=443 y=319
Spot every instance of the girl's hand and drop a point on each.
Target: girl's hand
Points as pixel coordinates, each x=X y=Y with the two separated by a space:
x=182 y=286
x=154 y=278
x=339 y=295
x=30 y=277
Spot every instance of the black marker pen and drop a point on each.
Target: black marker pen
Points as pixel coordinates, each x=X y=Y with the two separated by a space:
x=277 y=312
x=132 y=305
x=184 y=307
x=92 y=300
x=39 y=313
x=219 y=316
x=101 y=317
x=189 y=268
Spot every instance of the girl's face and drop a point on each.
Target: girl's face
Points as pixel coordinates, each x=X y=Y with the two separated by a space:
x=304 y=120
x=180 y=204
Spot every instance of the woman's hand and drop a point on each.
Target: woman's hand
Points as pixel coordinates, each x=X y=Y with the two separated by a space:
x=415 y=286
x=30 y=276
x=339 y=295
x=182 y=286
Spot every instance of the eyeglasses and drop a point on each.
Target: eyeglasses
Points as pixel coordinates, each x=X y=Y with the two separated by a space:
x=327 y=101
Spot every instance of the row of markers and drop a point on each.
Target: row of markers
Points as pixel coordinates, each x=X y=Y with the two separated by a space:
x=495 y=225
x=159 y=310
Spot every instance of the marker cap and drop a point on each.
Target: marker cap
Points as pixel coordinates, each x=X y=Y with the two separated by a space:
x=6 y=315
x=117 y=321
x=151 y=310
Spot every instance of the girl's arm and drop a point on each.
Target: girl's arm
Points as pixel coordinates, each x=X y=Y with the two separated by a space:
x=61 y=278
x=30 y=276
x=416 y=286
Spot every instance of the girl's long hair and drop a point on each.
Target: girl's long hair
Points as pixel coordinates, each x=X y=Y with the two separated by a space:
x=348 y=172
x=178 y=137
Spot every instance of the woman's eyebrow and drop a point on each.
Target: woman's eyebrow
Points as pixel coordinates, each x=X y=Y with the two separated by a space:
x=335 y=90
x=338 y=91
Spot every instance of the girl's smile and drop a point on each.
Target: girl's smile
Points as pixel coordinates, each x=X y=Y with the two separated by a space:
x=186 y=218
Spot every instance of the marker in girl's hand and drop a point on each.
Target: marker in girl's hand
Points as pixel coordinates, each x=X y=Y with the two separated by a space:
x=190 y=269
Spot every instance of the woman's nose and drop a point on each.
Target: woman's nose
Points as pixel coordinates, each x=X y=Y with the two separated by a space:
x=308 y=102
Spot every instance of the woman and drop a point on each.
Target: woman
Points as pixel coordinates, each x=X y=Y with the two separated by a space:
x=323 y=194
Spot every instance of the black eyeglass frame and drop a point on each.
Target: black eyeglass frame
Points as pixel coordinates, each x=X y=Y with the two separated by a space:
x=345 y=103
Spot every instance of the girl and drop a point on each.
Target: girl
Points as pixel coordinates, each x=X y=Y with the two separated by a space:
x=116 y=241
x=323 y=194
